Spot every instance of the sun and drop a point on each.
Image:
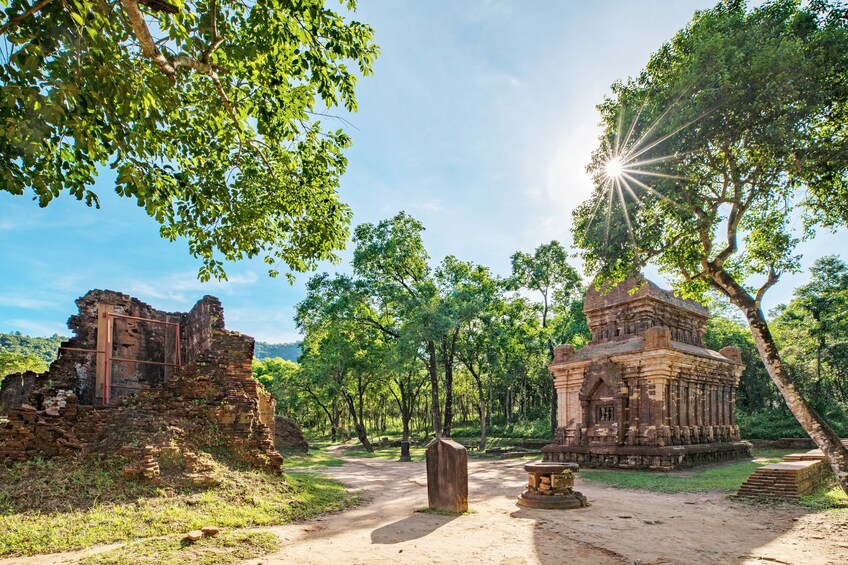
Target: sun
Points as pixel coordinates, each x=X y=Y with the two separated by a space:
x=614 y=167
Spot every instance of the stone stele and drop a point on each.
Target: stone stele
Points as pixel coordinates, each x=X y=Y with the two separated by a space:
x=645 y=393
x=447 y=476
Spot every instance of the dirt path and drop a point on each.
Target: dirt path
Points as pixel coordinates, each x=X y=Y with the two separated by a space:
x=621 y=526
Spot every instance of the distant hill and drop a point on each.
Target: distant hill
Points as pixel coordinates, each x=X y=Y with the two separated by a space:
x=45 y=348
x=290 y=351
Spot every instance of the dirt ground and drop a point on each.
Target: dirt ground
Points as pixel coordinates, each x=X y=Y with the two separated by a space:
x=620 y=526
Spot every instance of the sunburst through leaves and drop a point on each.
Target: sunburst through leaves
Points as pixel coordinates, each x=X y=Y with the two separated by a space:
x=626 y=161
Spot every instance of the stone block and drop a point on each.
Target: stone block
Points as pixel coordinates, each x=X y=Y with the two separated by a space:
x=447 y=476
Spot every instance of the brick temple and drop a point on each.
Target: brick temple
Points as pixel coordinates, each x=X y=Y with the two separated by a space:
x=645 y=393
x=134 y=379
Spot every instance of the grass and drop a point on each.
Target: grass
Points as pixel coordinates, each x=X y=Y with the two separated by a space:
x=389 y=453
x=226 y=547
x=727 y=477
x=53 y=506
x=828 y=497
x=313 y=459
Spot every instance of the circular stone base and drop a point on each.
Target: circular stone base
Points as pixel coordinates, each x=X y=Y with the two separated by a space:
x=554 y=502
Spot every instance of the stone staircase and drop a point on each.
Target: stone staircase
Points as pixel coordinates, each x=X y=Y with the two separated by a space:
x=797 y=475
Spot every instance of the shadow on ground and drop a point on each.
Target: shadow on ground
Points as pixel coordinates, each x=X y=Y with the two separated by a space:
x=412 y=527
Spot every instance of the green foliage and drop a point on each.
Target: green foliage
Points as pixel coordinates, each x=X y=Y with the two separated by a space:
x=756 y=390
x=778 y=423
x=279 y=377
x=731 y=123
x=206 y=114
x=287 y=351
x=46 y=348
x=812 y=332
x=827 y=497
x=525 y=428
x=13 y=363
x=375 y=338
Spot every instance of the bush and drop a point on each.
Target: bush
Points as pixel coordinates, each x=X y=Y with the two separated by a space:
x=775 y=424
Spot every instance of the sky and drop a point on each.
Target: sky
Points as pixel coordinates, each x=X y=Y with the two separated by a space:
x=479 y=121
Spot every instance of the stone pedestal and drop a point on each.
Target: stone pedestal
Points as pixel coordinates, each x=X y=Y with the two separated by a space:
x=551 y=485
x=447 y=476
x=404 y=451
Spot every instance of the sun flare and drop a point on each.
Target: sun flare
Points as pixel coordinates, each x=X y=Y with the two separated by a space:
x=614 y=167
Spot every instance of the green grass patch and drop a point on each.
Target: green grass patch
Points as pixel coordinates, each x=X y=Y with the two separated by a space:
x=226 y=547
x=390 y=453
x=828 y=497
x=727 y=477
x=538 y=428
x=313 y=459
x=52 y=506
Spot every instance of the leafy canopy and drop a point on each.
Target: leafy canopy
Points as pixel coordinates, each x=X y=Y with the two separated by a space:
x=206 y=111
x=733 y=128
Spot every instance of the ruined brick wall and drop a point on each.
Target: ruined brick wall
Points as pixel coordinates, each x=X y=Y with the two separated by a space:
x=197 y=327
x=288 y=435
x=15 y=390
x=212 y=401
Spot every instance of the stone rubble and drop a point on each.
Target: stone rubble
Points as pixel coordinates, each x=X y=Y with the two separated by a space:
x=211 y=400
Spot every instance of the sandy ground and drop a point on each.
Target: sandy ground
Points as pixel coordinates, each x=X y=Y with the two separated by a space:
x=620 y=526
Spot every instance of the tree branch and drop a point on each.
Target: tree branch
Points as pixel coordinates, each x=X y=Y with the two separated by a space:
x=216 y=40
x=148 y=44
x=14 y=20
x=772 y=279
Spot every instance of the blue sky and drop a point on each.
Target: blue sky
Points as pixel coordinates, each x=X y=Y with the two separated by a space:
x=479 y=121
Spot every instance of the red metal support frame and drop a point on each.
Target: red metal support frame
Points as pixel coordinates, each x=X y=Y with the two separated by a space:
x=109 y=358
x=107 y=363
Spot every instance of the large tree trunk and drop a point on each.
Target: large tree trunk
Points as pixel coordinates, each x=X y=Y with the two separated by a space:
x=358 y=424
x=821 y=433
x=482 y=409
x=448 y=424
x=432 y=368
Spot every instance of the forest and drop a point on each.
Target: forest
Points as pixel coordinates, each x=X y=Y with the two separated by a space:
x=401 y=348
x=376 y=341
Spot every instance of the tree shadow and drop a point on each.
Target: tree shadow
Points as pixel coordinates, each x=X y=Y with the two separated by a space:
x=410 y=528
x=627 y=526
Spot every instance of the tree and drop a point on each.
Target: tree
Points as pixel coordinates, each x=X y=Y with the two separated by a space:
x=734 y=128
x=206 y=111
x=756 y=391
x=279 y=377
x=548 y=272
x=391 y=260
x=466 y=292
x=15 y=363
x=812 y=331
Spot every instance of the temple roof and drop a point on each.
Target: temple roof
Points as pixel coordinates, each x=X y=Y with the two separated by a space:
x=636 y=344
x=623 y=293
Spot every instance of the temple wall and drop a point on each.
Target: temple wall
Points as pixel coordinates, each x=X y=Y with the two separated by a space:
x=645 y=382
x=211 y=400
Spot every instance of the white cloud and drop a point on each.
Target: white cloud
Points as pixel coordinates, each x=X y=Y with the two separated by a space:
x=38 y=328
x=26 y=302
x=180 y=290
